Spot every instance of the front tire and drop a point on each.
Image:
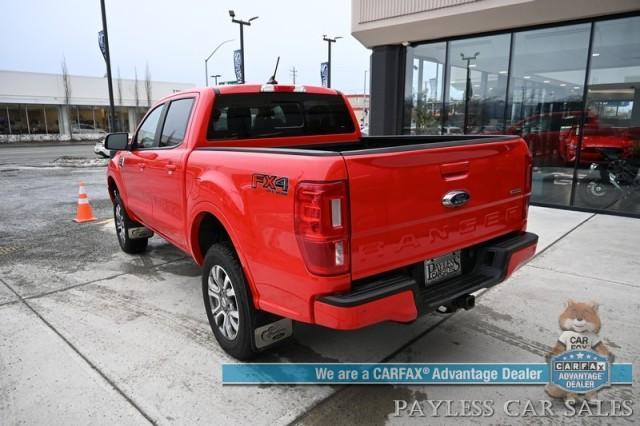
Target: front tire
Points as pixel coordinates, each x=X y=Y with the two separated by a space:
x=595 y=193
x=228 y=302
x=123 y=224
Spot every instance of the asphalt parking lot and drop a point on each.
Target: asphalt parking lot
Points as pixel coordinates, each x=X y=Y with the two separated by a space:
x=90 y=334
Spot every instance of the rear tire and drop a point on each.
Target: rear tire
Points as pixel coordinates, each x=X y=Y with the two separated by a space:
x=228 y=302
x=123 y=224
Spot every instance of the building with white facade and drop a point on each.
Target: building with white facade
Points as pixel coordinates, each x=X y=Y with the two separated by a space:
x=33 y=106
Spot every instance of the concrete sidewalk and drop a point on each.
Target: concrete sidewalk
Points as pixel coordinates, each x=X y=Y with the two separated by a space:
x=107 y=337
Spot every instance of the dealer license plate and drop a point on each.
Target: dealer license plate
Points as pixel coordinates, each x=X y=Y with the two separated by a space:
x=442 y=268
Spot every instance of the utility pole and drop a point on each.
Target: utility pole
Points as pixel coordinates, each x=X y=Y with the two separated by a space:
x=329 y=40
x=107 y=58
x=293 y=72
x=242 y=23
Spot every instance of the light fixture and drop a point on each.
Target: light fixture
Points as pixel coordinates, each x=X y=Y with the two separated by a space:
x=502 y=72
x=527 y=77
x=563 y=84
x=546 y=81
x=405 y=43
x=595 y=54
x=576 y=87
x=472 y=65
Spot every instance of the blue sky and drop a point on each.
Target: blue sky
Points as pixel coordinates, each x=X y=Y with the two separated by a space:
x=174 y=37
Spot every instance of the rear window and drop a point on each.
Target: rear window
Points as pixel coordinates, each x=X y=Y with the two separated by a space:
x=266 y=115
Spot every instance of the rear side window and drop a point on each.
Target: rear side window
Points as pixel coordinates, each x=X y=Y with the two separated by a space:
x=175 y=124
x=264 y=115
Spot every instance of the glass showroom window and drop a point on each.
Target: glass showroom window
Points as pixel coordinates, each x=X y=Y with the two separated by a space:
x=18 y=119
x=545 y=103
x=122 y=119
x=609 y=152
x=424 y=89
x=101 y=118
x=5 y=128
x=52 y=118
x=37 y=121
x=477 y=85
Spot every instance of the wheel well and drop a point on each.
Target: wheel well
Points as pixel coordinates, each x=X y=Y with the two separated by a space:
x=209 y=232
x=111 y=185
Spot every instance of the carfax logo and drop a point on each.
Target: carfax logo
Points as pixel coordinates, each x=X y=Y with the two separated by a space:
x=580 y=371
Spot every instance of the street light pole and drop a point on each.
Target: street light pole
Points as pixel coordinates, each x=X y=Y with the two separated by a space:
x=242 y=23
x=216 y=78
x=329 y=40
x=467 y=89
x=206 y=71
x=112 y=111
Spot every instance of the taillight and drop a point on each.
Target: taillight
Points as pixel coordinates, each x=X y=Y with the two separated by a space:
x=322 y=226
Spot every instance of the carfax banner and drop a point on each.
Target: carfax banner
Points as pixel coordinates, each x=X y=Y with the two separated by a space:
x=579 y=375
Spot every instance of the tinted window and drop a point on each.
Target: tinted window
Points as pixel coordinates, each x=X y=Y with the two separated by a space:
x=147 y=134
x=264 y=115
x=175 y=125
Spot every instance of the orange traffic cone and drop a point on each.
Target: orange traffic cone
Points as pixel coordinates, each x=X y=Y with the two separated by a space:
x=84 y=213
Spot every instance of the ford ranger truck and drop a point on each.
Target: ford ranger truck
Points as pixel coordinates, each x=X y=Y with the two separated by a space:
x=293 y=215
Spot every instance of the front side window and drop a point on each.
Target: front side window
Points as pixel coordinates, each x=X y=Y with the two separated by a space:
x=175 y=124
x=265 y=115
x=147 y=134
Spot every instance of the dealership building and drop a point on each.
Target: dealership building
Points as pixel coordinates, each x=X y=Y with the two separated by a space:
x=35 y=106
x=564 y=75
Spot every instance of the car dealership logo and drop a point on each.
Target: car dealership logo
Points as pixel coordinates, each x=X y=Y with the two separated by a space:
x=580 y=371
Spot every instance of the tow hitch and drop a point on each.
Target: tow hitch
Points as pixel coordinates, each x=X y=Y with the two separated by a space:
x=466 y=302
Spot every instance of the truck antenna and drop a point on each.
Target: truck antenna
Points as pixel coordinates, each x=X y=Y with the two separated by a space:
x=272 y=80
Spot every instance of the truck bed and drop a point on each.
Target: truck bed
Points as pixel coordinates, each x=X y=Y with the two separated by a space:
x=376 y=144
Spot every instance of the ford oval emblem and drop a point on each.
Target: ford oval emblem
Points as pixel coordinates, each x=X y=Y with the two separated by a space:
x=455 y=198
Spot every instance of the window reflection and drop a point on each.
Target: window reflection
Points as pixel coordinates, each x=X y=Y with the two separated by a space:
x=610 y=148
x=477 y=76
x=424 y=91
x=545 y=104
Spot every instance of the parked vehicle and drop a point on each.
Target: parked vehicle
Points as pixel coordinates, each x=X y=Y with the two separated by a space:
x=610 y=180
x=85 y=128
x=100 y=149
x=553 y=138
x=294 y=215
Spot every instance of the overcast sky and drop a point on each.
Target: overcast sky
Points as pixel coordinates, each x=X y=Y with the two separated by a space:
x=174 y=37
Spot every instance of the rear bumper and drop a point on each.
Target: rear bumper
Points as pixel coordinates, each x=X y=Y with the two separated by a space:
x=401 y=295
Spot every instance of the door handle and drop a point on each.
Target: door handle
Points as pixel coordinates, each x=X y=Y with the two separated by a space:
x=171 y=167
x=454 y=171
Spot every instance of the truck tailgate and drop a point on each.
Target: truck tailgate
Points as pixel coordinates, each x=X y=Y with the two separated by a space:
x=396 y=200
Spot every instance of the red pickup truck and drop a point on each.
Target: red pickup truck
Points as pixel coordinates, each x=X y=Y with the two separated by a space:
x=295 y=216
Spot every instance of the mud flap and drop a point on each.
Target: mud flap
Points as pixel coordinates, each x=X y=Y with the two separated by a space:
x=269 y=334
x=140 y=232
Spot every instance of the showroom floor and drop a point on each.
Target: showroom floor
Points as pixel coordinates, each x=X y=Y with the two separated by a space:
x=89 y=334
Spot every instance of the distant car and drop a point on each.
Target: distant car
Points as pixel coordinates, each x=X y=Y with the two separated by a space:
x=452 y=130
x=99 y=149
x=85 y=128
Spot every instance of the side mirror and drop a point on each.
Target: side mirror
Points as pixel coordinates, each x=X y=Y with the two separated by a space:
x=117 y=141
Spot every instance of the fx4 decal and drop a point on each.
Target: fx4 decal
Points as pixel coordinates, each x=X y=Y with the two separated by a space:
x=275 y=184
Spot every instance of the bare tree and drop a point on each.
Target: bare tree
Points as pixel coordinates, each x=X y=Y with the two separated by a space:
x=136 y=92
x=147 y=84
x=118 y=122
x=66 y=84
x=119 y=88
